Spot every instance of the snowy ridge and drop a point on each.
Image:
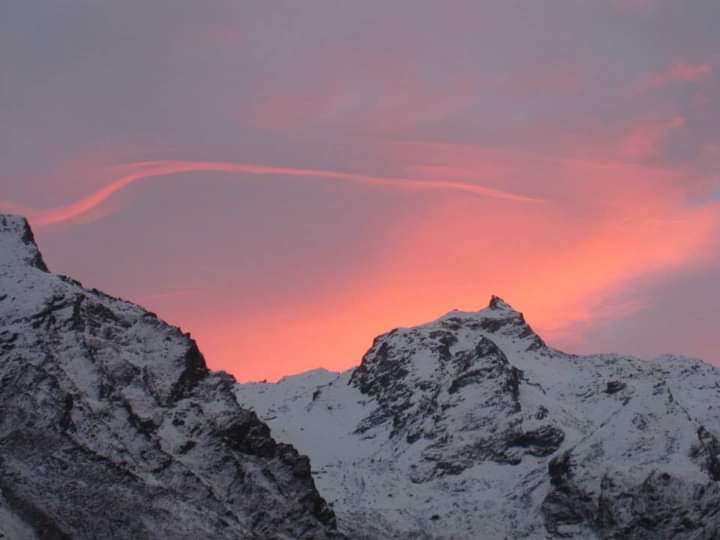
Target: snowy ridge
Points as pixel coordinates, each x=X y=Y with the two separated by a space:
x=471 y=427
x=112 y=426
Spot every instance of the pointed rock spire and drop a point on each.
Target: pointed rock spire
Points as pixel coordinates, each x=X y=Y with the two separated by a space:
x=498 y=303
x=17 y=243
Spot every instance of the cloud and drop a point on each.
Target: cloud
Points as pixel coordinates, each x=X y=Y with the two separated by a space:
x=645 y=140
x=152 y=169
x=679 y=71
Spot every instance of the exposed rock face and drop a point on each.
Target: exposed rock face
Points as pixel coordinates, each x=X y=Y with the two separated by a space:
x=417 y=378
x=471 y=427
x=111 y=425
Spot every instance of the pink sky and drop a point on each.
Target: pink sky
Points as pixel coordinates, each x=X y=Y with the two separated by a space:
x=287 y=180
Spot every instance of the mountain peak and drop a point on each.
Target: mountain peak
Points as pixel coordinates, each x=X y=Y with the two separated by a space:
x=17 y=242
x=499 y=320
x=497 y=303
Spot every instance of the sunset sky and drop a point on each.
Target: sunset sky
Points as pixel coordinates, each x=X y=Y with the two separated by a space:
x=287 y=179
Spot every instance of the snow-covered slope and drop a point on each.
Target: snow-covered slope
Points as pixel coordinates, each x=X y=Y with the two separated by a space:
x=470 y=427
x=111 y=426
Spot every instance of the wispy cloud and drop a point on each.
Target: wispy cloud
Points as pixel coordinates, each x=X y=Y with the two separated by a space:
x=679 y=71
x=153 y=169
x=645 y=140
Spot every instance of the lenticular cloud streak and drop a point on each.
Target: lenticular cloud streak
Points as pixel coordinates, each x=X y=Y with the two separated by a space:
x=152 y=169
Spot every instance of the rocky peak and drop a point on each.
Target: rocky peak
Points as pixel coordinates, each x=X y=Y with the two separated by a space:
x=17 y=243
x=497 y=303
x=422 y=372
x=451 y=389
x=499 y=322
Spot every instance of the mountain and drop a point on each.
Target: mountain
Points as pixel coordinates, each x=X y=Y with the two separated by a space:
x=112 y=427
x=471 y=427
x=468 y=427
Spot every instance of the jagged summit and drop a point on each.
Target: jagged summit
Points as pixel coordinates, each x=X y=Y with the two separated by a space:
x=496 y=307
x=470 y=427
x=13 y=226
x=498 y=303
x=17 y=243
x=498 y=318
x=113 y=427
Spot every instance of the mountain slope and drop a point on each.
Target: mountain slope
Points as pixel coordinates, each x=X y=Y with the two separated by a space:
x=471 y=427
x=111 y=425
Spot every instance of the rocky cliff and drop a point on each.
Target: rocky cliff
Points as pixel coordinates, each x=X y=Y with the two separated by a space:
x=112 y=427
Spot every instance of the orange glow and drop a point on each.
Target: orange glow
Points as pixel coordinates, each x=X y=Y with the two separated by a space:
x=556 y=261
x=557 y=269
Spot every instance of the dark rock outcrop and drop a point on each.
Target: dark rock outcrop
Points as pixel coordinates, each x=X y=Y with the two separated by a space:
x=421 y=378
x=659 y=506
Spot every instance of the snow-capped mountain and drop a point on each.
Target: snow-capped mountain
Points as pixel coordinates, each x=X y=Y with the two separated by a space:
x=471 y=427
x=112 y=427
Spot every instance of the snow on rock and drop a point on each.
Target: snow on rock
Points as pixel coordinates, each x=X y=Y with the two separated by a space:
x=472 y=427
x=111 y=425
